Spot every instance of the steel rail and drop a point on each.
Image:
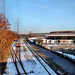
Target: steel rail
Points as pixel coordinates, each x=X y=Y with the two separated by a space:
x=36 y=57
x=20 y=62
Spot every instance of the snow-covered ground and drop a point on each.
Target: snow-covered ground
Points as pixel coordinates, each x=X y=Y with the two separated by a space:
x=30 y=63
x=49 y=46
x=68 y=55
x=65 y=54
x=10 y=67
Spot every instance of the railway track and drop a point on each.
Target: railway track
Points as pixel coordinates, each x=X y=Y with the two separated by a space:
x=30 y=48
x=14 y=57
x=19 y=64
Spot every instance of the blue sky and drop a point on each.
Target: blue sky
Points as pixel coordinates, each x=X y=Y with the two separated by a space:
x=41 y=15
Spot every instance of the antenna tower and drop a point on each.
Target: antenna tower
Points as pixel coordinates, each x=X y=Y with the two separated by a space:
x=2 y=7
x=18 y=25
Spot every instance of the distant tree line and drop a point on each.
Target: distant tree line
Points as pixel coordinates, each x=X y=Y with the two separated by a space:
x=6 y=35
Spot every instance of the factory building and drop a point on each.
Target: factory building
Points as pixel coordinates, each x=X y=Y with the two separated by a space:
x=61 y=37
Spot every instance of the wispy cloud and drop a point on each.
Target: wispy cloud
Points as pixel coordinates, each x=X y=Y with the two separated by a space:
x=40 y=6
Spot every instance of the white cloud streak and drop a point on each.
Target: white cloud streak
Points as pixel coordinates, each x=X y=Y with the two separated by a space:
x=40 y=6
x=53 y=10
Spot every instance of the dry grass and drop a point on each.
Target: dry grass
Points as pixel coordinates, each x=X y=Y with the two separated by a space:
x=40 y=54
x=33 y=47
x=24 y=48
x=37 y=51
x=28 y=57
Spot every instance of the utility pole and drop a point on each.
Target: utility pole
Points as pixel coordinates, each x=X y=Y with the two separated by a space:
x=2 y=8
x=2 y=11
x=18 y=26
x=24 y=32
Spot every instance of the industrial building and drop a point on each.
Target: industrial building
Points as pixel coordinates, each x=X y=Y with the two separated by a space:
x=55 y=38
x=61 y=37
